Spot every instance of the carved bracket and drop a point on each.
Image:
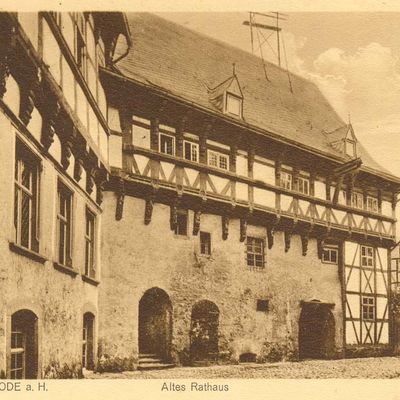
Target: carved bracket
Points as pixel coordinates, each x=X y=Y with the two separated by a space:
x=196 y=222
x=148 y=210
x=304 y=242
x=270 y=236
x=243 y=229
x=66 y=153
x=120 y=199
x=49 y=122
x=225 y=227
x=174 y=216
x=4 y=74
x=288 y=237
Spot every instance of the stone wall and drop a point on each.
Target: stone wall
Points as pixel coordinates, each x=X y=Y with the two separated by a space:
x=57 y=299
x=136 y=257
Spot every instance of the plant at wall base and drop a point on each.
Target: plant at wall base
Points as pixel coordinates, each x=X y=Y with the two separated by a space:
x=275 y=352
x=108 y=363
x=57 y=371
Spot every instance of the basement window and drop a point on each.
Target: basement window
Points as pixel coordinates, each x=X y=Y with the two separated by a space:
x=205 y=243
x=262 y=305
x=255 y=252
x=330 y=255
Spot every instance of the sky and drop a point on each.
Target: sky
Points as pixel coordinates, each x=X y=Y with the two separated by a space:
x=353 y=57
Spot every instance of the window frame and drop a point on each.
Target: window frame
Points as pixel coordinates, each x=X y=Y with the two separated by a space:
x=192 y=145
x=90 y=242
x=67 y=220
x=330 y=250
x=351 y=143
x=357 y=200
x=254 y=254
x=207 y=244
x=25 y=158
x=373 y=200
x=219 y=156
x=303 y=180
x=367 y=257
x=282 y=181
x=15 y=351
x=368 y=308
x=229 y=96
x=160 y=134
x=180 y=213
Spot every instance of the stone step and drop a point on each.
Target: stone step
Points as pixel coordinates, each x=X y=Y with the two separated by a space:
x=149 y=366
x=148 y=360
x=147 y=355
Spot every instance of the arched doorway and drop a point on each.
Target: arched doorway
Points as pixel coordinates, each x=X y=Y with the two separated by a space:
x=88 y=341
x=316 y=331
x=204 y=331
x=24 y=345
x=155 y=324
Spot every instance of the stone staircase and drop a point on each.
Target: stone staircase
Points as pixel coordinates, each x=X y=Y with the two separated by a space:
x=152 y=361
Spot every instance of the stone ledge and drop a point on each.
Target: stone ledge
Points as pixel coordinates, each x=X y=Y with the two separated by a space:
x=66 y=270
x=16 y=248
x=90 y=280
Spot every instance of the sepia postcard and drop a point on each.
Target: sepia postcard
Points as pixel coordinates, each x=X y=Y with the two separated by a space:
x=200 y=200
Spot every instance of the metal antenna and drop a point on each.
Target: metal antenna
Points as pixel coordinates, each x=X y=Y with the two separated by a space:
x=277 y=16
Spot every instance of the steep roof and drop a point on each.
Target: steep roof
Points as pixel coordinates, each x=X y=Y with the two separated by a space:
x=187 y=64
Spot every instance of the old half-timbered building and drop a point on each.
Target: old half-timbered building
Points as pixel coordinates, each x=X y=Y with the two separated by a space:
x=243 y=219
x=54 y=162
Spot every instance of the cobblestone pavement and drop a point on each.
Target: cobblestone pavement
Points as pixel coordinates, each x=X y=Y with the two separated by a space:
x=385 y=367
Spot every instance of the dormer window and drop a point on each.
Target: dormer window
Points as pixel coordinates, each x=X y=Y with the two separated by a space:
x=350 y=148
x=233 y=105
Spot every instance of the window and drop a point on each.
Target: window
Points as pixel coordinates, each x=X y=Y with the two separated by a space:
x=372 y=204
x=182 y=222
x=286 y=180
x=87 y=341
x=330 y=255
x=350 y=148
x=191 y=151
x=255 y=252
x=26 y=198
x=167 y=144
x=262 y=305
x=367 y=256
x=233 y=105
x=205 y=243
x=90 y=269
x=368 y=308
x=218 y=160
x=17 y=354
x=303 y=185
x=357 y=200
x=64 y=222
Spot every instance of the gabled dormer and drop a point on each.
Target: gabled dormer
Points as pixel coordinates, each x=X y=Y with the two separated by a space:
x=228 y=97
x=344 y=140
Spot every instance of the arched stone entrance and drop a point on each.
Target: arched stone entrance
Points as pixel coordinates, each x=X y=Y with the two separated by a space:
x=316 y=330
x=24 y=345
x=204 y=331
x=155 y=324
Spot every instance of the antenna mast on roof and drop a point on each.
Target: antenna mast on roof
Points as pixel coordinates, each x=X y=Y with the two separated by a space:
x=258 y=28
